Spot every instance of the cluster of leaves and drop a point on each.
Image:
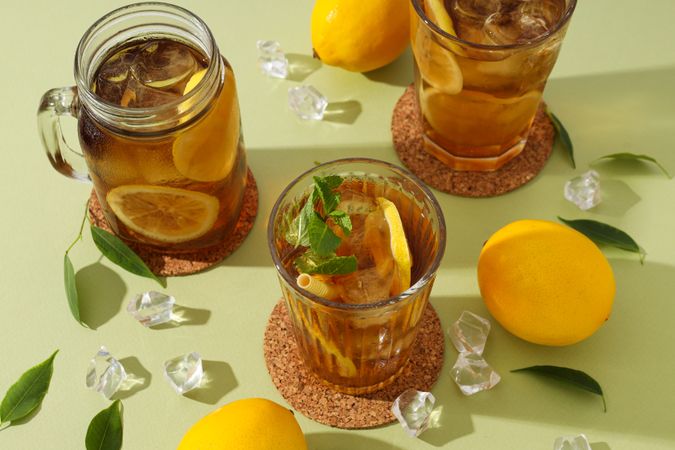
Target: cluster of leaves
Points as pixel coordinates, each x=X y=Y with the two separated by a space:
x=309 y=229
x=24 y=398
x=112 y=248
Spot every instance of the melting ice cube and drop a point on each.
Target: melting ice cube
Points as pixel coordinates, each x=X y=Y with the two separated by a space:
x=151 y=308
x=469 y=333
x=473 y=374
x=307 y=102
x=584 y=190
x=272 y=60
x=105 y=374
x=413 y=410
x=184 y=372
x=579 y=442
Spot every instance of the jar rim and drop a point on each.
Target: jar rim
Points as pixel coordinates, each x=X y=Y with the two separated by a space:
x=153 y=119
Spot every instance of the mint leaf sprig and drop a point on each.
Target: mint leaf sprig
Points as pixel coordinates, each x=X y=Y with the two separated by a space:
x=309 y=229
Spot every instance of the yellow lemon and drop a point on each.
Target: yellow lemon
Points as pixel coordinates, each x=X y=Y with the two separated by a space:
x=434 y=55
x=248 y=424
x=360 y=35
x=208 y=149
x=164 y=213
x=545 y=283
x=399 y=245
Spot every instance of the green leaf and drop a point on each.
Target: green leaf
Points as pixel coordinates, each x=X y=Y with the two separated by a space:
x=106 y=429
x=312 y=263
x=24 y=396
x=572 y=376
x=634 y=157
x=71 y=288
x=342 y=220
x=563 y=135
x=604 y=234
x=117 y=251
x=322 y=240
x=325 y=192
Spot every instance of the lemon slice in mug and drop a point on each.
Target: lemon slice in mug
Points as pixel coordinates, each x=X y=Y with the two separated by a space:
x=399 y=245
x=163 y=213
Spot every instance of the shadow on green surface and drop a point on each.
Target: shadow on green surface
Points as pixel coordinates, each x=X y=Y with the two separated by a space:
x=617 y=198
x=398 y=73
x=629 y=356
x=343 y=112
x=218 y=380
x=185 y=316
x=301 y=66
x=344 y=441
x=138 y=378
x=621 y=112
x=101 y=293
x=600 y=446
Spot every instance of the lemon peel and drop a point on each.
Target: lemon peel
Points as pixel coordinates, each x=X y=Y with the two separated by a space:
x=399 y=244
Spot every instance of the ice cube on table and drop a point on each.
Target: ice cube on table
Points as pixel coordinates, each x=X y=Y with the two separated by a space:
x=105 y=373
x=164 y=65
x=469 y=333
x=473 y=374
x=306 y=102
x=579 y=442
x=184 y=373
x=584 y=190
x=413 y=410
x=152 y=308
x=272 y=60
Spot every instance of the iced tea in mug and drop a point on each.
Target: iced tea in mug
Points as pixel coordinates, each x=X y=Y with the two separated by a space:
x=355 y=329
x=159 y=127
x=480 y=71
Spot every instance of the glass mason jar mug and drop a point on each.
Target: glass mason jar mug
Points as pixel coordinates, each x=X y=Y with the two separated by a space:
x=158 y=126
x=360 y=340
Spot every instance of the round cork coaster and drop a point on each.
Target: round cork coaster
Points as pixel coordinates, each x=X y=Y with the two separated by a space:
x=172 y=264
x=406 y=128
x=304 y=392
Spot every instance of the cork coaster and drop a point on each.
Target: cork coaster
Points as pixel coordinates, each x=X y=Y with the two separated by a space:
x=304 y=392
x=406 y=128
x=172 y=264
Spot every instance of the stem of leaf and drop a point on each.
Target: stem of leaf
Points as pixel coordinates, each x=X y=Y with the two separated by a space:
x=79 y=235
x=603 y=402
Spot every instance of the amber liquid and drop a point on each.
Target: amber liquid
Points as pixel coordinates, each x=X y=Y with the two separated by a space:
x=478 y=105
x=361 y=351
x=204 y=155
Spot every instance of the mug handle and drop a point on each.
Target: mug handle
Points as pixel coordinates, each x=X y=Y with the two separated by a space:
x=54 y=104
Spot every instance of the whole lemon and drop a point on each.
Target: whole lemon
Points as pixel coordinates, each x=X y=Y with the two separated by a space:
x=248 y=424
x=545 y=283
x=360 y=35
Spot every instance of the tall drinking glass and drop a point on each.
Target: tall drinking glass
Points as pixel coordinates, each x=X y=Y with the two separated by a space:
x=480 y=71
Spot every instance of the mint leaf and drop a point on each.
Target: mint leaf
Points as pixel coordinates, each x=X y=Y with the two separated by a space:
x=329 y=198
x=302 y=223
x=333 y=181
x=322 y=240
x=311 y=263
x=342 y=220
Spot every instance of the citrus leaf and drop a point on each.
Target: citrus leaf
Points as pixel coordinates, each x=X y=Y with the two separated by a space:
x=24 y=396
x=117 y=251
x=71 y=288
x=604 y=234
x=106 y=429
x=572 y=376
x=563 y=135
x=634 y=157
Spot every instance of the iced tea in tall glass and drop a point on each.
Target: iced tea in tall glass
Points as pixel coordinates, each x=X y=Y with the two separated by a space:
x=480 y=71
x=355 y=328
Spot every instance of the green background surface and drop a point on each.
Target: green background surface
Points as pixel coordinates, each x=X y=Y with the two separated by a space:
x=613 y=87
